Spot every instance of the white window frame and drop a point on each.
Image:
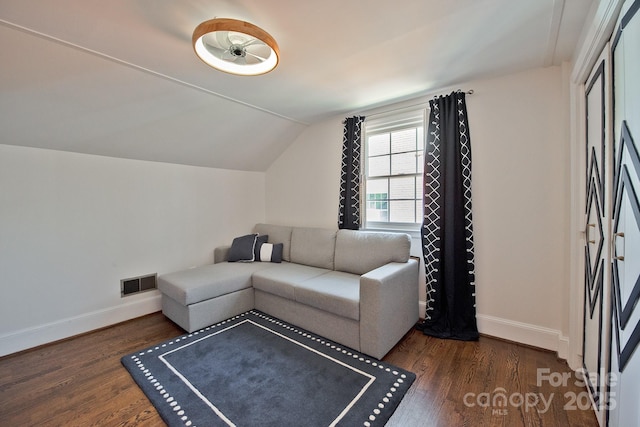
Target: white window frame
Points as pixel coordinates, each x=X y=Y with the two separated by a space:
x=394 y=120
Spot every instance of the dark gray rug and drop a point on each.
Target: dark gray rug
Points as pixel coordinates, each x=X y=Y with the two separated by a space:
x=256 y=370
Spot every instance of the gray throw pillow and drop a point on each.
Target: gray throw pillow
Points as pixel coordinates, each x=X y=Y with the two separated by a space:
x=243 y=248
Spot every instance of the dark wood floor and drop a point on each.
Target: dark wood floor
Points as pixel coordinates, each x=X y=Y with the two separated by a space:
x=80 y=382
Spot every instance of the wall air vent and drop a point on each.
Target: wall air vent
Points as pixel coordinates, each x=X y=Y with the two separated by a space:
x=138 y=284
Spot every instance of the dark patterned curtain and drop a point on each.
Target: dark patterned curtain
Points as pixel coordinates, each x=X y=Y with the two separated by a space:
x=447 y=231
x=349 y=214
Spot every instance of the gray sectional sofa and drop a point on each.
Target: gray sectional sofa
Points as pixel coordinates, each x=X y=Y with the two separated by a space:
x=355 y=287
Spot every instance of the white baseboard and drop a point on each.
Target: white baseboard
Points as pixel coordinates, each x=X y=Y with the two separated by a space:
x=23 y=339
x=563 y=347
x=65 y=328
x=524 y=333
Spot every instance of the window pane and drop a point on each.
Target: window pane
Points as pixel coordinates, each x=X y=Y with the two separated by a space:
x=419 y=188
x=402 y=211
x=378 y=144
x=377 y=204
x=402 y=188
x=377 y=215
x=404 y=140
x=378 y=166
x=419 y=214
x=403 y=163
x=420 y=159
x=377 y=189
x=421 y=138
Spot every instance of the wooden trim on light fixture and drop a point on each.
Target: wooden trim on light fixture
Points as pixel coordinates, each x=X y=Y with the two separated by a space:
x=226 y=24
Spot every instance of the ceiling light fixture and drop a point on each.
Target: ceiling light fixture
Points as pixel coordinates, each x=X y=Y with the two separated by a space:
x=235 y=47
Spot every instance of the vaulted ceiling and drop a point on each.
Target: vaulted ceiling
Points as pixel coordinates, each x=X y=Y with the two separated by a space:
x=119 y=77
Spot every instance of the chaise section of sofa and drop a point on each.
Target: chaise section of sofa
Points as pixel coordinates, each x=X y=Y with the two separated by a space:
x=355 y=287
x=202 y=296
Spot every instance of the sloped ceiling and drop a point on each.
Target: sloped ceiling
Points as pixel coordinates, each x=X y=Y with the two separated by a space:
x=119 y=78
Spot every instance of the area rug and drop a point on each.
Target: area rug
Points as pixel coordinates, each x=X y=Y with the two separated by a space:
x=257 y=370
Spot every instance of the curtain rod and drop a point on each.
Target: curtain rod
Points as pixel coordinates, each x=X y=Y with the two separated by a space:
x=468 y=92
x=408 y=107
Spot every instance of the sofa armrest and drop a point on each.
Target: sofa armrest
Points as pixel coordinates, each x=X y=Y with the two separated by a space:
x=388 y=306
x=221 y=254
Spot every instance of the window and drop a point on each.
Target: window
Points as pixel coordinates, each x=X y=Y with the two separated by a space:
x=393 y=152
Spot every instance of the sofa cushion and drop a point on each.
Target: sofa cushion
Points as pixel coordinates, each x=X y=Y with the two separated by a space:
x=313 y=246
x=336 y=292
x=282 y=279
x=359 y=252
x=243 y=249
x=209 y=281
x=277 y=234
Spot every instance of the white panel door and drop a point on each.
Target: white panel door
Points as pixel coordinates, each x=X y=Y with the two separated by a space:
x=597 y=242
x=624 y=384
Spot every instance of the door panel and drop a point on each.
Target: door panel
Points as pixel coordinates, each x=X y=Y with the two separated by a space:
x=624 y=387
x=596 y=234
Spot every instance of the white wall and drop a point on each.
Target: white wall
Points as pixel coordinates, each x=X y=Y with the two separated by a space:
x=518 y=132
x=304 y=182
x=73 y=225
x=518 y=126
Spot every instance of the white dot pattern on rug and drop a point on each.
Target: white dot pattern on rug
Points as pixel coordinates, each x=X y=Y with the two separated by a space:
x=177 y=409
